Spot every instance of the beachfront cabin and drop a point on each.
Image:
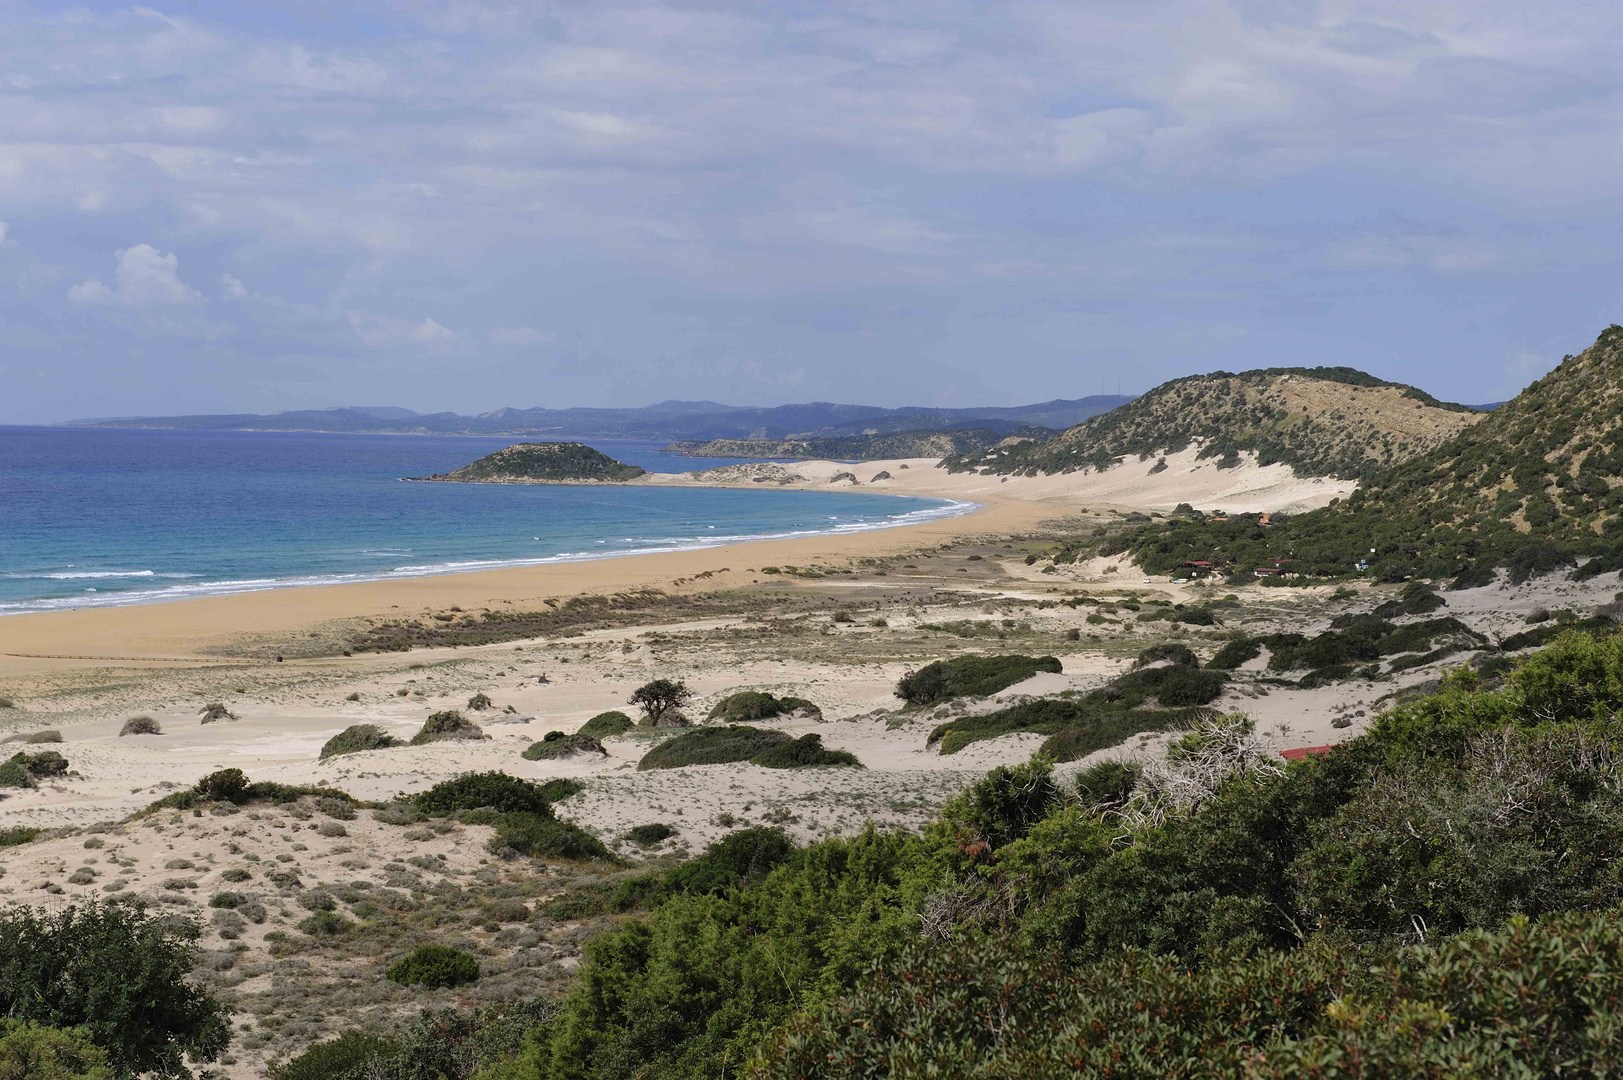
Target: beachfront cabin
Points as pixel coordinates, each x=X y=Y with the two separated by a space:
x=1198 y=568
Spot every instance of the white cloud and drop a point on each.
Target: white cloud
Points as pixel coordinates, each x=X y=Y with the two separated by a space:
x=381 y=330
x=143 y=277
x=3 y=231
x=232 y=289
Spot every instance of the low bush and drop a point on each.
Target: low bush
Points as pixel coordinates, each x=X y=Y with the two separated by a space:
x=1235 y=653
x=215 y=711
x=472 y=791
x=14 y=773
x=49 y=735
x=447 y=724
x=564 y=746
x=1170 y=652
x=336 y=1058
x=712 y=746
x=356 y=738
x=435 y=967
x=480 y=702
x=648 y=835
x=749 y=705
x=805 y=752
x=606 y=725
x=970 y=676
x=540 y=837
x=140 y=725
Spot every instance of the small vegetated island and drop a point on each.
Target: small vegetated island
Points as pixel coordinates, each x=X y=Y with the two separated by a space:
x=542 y=463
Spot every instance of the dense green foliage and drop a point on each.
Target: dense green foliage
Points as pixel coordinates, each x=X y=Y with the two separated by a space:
x=547 y=461
x=713 y=746
x=970 y=676
x=473 y=791
x=435 y=967
x=336 y=1057
x=747 y=705
x=606 y=725
x=558 y=745
x=1108 y=716
x=1437 y=898
x=31 y=1051
x=233 y=786
x=358 y=737
x=447 y=724
x=805 y=752
x=118 y=974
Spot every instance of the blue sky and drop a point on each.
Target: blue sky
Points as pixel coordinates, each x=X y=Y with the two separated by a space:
x=463 y=205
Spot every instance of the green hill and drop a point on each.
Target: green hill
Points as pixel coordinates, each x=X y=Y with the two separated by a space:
x=902 y=444
x=540 y=463
x=1533 y=485
x=1320 y=421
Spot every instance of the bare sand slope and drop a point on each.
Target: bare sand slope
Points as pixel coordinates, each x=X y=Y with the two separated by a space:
x=1247 y=488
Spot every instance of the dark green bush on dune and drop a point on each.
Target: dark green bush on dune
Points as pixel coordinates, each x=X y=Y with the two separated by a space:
x=435 y=967
x=358 y=737
x=31 y=1051
x=747 y=705
x=336 y=1058
x=805 y=752
x=549 y=748
x=712 y=746
x=447 y=724
x=970 y=676
x=606 y=725
x=495 y=790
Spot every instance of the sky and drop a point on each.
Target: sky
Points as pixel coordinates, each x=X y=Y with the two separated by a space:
x=213 y=207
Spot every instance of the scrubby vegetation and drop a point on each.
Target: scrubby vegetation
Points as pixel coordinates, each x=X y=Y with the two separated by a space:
x=232 y=786
x=970 y=676
x=1388 y=905
x=712 y=746
x=558 y=745
x=805 y=752
x=1533 y=488
x=358 y=737
x=216 y=711
x=543 y=462
x=435 y=967
x=747 y=705
x=519 y=811
x=1321 y=421
x=447 y=724
x=140 y=725
x=606 y=725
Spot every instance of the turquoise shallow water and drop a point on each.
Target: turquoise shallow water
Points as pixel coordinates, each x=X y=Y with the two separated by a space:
x=99 y=517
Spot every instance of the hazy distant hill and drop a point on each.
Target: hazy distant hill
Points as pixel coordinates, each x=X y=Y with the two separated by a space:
x=672 y=420
x=1320 y=421
x=905 y=444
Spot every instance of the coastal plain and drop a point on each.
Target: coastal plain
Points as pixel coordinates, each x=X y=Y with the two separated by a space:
x=834 y=619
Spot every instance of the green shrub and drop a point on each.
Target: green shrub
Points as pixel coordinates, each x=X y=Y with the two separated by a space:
x=1107 y=785
x=567 y=746
x=447 y=724
x=749 y=705
x=1235 y=653
x=31 y=1051
x=117 y=973
x=606 y=725
x=48 y=735
x=805 y=752
x=1171 y=651
x=17 y=834
x=14 y=773
x=435 y=967
x=543 y=837
x=335 y=1058
x=216 y=711
x=648 y=835
x=140 y=725
x=495 y=790
x=325 y=924
x=358 y=737
x=970 y=676
x=480 y=702
x=712 y=746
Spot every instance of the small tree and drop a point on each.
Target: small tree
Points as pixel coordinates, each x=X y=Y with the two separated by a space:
x=661 y=696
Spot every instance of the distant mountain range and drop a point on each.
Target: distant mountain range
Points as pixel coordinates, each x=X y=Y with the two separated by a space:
x=672 y=420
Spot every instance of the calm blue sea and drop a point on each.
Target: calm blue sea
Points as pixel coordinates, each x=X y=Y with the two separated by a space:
x=99 y=517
